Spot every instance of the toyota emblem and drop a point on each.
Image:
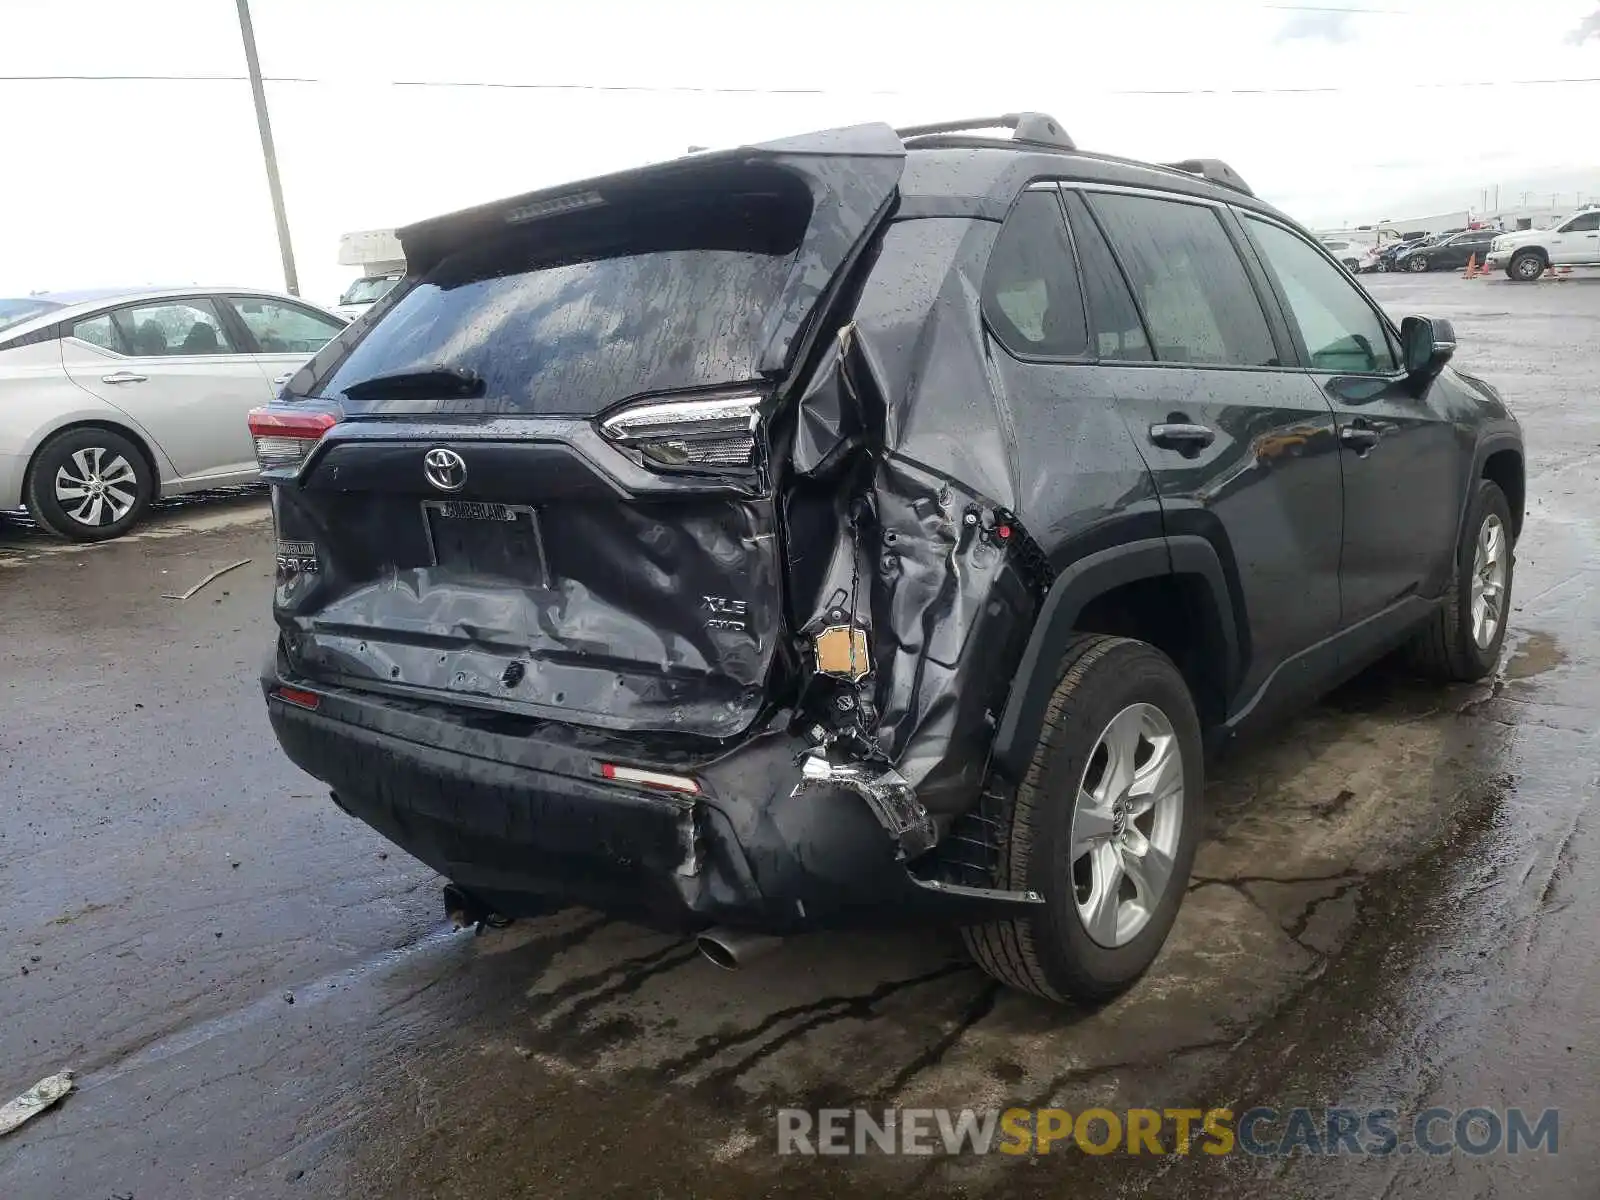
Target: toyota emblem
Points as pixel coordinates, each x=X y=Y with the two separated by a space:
x=445 y=469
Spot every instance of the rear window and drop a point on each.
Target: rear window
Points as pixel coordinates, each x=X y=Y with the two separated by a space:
x=673 y=294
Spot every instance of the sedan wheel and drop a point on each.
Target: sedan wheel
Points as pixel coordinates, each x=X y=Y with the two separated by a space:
x=89 y=485
x=1417 y=264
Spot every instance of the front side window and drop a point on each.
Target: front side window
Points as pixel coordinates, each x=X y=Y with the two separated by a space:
x=1030 y=290
x=1188 y=279
x=281 y=328
x=172 y=328
x=1582 y=224
x=1340 y=329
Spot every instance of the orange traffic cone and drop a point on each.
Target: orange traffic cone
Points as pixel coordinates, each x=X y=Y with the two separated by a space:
x=1472 y=267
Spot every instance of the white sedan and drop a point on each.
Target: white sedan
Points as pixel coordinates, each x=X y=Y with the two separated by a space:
x=109 y=399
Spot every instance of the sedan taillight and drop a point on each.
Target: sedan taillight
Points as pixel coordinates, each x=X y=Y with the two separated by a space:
x=284 y=439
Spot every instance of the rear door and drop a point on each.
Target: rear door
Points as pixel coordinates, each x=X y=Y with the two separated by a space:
x=1242 y=451
x=175 y=366
x=551 y=492
x=1403 y=462
x=286 y=335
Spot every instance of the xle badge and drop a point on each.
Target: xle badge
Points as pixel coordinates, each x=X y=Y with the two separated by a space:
x=726 y=614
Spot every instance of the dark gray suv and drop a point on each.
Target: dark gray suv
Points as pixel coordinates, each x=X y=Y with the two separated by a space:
x=871 y=526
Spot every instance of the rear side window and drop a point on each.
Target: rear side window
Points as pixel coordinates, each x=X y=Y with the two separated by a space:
x=1189 y=281
x=100 y=331
x=1118 y=332
x=281 y=328
x=672 y=298
x=1030 y=290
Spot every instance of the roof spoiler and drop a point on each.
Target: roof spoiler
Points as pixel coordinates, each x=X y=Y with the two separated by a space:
x=1213 y=170
x=1039 y=129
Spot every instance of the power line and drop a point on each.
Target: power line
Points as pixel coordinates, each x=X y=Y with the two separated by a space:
x=691 y=89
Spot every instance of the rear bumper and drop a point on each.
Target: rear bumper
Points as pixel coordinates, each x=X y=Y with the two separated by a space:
x=525 y=821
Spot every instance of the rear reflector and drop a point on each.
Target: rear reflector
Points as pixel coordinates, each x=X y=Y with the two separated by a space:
x=650 y=779
x=298 y=697
x=284 y=439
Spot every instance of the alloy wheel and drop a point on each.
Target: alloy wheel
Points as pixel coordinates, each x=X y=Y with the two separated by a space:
x=1126 y=825
x=96 y=487
x=1489 y=568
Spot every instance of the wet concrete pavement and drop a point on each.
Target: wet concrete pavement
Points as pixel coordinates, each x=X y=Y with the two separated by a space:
x=1394 y=907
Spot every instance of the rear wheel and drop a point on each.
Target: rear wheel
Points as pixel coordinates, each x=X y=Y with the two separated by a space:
x=88 y=485
x=1418 y=263
x=1526 y=266
x=1104 y=827
x=1463 y=639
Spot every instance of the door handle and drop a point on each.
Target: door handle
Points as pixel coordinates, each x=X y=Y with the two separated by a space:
x=1359 y=436
x=1180 y=436
x=123 y=377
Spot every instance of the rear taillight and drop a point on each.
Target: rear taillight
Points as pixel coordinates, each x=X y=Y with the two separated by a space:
x=298 y=697
x=284 y=439
x=693 y=432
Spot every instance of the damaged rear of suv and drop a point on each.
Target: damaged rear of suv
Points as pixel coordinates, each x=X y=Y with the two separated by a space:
x=705 y=544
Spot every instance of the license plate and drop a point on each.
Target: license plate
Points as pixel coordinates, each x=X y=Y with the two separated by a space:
x=479 y=538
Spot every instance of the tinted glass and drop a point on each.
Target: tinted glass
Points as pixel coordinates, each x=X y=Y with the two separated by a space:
x=281 y=328
x=1188 y=280
x=100 y=331
x=1340 y=329
x=1118 y=333
x=172 y=328
x=663 y=300
x=1583 y=224
x=1030 y=289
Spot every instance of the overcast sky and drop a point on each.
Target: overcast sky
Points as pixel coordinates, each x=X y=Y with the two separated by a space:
x=1343 y=111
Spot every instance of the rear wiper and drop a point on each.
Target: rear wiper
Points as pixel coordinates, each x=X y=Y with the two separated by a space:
x=429 y=383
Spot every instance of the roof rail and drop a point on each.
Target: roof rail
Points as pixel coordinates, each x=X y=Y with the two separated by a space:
x=1213 y=170
x=1037 y=129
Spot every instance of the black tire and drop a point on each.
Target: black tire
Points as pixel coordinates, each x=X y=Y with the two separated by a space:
x=1419 y=263
x=110 y=450
x=1049 y=952
x=1525 y=266
x=1446 y=648
x=1353 y=265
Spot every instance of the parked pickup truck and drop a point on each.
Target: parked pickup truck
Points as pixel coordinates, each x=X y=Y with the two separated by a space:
x=1526 y=254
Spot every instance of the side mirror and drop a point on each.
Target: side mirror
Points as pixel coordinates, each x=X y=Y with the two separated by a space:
x=1429 y=343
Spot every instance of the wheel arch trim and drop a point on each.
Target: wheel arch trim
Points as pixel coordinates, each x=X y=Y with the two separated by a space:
x=1075 y=586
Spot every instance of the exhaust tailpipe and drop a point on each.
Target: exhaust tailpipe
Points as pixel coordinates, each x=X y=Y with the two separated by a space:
x=731 y=949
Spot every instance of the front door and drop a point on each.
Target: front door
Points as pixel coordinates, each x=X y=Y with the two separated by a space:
x=1403 y=462
x=174 y=367
x=1577 y=241
x=1242 y=452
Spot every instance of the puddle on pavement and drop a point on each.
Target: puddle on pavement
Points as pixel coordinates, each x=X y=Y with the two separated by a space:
x=1536 y=654
x=1303 y=828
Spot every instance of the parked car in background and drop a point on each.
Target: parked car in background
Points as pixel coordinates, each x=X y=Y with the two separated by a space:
x=1349 y=253
x=1393 y=250
x=1449 y=252
x=878 y=574
x=109 y=399
x=383 y=264
x=1524 y=255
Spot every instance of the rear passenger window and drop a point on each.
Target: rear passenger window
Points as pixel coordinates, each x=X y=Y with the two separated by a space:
x=1030 y=291
x=1188 y=280
x=1116 y=330
x=99 y=331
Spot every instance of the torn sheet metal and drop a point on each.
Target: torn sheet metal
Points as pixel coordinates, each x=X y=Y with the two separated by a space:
x=50 y=1090
x=900 y=522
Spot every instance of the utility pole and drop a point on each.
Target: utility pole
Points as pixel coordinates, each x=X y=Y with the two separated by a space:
x=291 y=281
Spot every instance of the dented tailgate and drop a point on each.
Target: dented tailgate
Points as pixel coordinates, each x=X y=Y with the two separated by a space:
x=551 y=488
